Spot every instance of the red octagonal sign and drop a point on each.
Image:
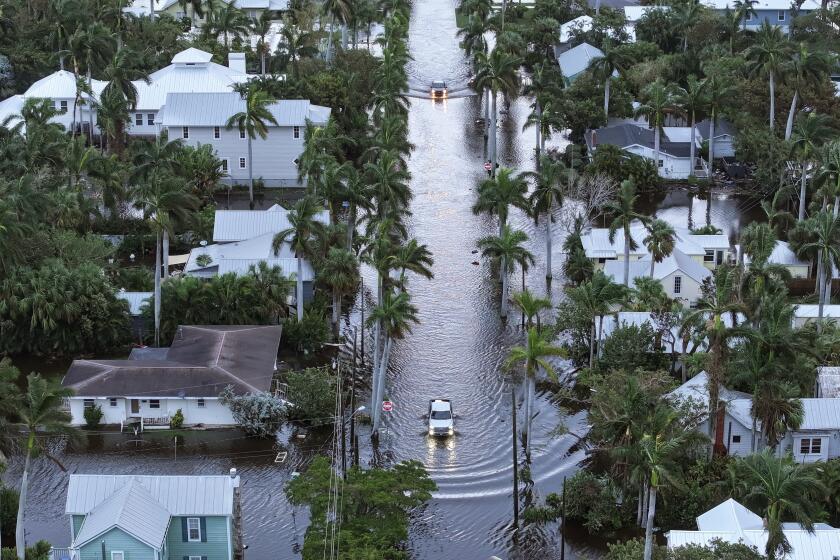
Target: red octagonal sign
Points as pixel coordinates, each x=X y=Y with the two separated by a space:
x=387 y=406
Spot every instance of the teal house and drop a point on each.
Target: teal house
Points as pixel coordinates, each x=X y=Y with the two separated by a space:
x=132 y=517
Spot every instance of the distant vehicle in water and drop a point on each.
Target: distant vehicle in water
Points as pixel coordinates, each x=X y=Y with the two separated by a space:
x=441 y=419
x=439 y=88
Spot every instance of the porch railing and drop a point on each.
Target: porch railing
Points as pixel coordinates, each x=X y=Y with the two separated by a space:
x=63 y=554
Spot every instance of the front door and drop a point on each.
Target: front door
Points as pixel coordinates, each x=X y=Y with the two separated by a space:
x=135 y=406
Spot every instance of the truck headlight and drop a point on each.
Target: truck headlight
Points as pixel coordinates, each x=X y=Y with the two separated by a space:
x=451 y=430
x=431 y=431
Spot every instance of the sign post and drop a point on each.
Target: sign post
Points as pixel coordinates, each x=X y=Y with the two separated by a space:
x=387 y=406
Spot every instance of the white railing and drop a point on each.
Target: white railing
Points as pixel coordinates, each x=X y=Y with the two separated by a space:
x=63 y=554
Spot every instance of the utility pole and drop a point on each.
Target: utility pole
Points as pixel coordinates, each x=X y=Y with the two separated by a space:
x=176 y=448
x=343 y=423
x=563 y=522
x=515 y=462
x=363 y=322
x=353 y=443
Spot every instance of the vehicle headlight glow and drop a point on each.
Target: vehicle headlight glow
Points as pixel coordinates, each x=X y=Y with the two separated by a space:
x=451 y=430
x=431 y=431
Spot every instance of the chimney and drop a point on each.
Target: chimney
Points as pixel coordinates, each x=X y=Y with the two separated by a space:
x=233 y=472
x=594 y=140
x=236 y=62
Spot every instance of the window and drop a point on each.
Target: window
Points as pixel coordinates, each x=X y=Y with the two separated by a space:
x=810 y=446
x=194 y=557
x=193 y=529
x=138 y=119
x=180 y=15
x=200 y=403
x=677 y=284
x=736 y=439
x=117 y=555
x=242 y=163
x=225 y=165
x=242 y=133
x=660 y=163
x=154 y=403
x=63 y=106
x=252 y=14
x=186 y=132
x=602 y=260
x=150 y=119
x=296 y=131
x=782 y=15
x=217 y=133
x=89 y=403
x=113 y=401
x=709 y=256
x=749 y=16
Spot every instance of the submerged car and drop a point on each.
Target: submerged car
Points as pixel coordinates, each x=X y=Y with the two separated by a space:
x=441 y=419
x=439 y=88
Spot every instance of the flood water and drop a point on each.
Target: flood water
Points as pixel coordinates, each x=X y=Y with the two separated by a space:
x=457 y=352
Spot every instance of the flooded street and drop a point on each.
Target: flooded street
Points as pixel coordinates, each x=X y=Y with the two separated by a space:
x=456 y=352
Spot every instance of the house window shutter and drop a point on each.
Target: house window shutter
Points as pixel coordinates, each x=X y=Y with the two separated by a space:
x=203 y=529
x=184 y=530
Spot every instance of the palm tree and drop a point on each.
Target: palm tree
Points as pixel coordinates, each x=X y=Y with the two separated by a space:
x=164 y=201
x=744 y=9
x=805 y=68
x=693 y=101
x=395 y=313
x=809 y=134
x=261 y=27
x=388 y=180
x=624 y=215
x=253 y=121
x=687 y=14
x=659 y=242
x=303 y=227
x=195 y=8
x=604 y=67
x=781 y=489
x=548 y=193
x=828 y=175
x=39 y=414
x=826 y=228
x=120 y=75
x=531 y=306
x=719 y=298
x=718 y=92
x=767 y=57
x=90 y=45
x=508 y=249
x=228 y=21
x=411 y=256
x=657 y=102
x=496 y=73
x=341 y=10
x=533 y=356
x=596 y=298
x=472 y=36
x=294 y=45
x=498 y=194
x=339 y=271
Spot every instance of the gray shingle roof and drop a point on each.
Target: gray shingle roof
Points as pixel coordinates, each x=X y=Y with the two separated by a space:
x=214 y=109
x=624 y=135
x=201 y=362
x=721 y=127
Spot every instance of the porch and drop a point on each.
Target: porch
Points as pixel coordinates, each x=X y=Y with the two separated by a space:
x=63 y=554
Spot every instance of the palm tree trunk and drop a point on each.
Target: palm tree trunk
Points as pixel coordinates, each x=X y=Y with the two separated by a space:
x=157 y=290
x=538 y=128
x=692 y=155
x=548 y=274
x=262 y=62
x=492 y=133
x=823 y=274
x=504 y=310
x=791 y=114
x=819 y=273
x=328 y=56
x=607 y=96
x=250 y=174
x=344 y=36
x=597 y=7
x=351 y=226
x=652 y=262
x=600 y=333
x=90 y=105
x=20 y=533
x=803 y=182
x=335 y=310
x=752 y=434
x=649 y=529
x=772 y=100
x=380 y=385
x=627 y=257
x=592 y=345
x=639 y=506
x=656 y=149
x=299 y=294
x=529 y=400
x=165 y=254
x=645 y=502
x=374 y=382
x=711 y=151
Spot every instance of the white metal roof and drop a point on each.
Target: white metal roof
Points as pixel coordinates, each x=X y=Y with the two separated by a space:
x=9 y=107
x=192 y=55
x=288 y=267
x=60 y=84
x=238 y=225
x=634 y=13
x=584 y=23
x=820 y=414
x=190 y=75
x=135 y=300
x=812 y=311
x=180 y=495
x=131 y=508
x=215 y=108
x=828 y=382
x=596 y=242
x=697 y=389
x=781 y=254
x=577 y=59
x=727 y=516
x=762 y=5
x=677 y=261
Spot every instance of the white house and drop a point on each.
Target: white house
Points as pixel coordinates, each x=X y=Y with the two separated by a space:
x=575 y=61
x=244 y=239
x=724 y=136
x=807 y=313
x=783 y=255
x=632 y=15
x=828 y=382
x=201 y=118
x=775 y=12
x=733 y=523
x=681 y=276
x=151 y=385
x=674 y=147
x=816 y=439
x=581 y=23
x=708 y=250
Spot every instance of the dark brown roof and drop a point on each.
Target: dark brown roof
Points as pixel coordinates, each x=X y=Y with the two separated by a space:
x=201 y=362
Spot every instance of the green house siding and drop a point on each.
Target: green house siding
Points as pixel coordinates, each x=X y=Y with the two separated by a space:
x=214 y=545
x=77 y=524
x=117 y=539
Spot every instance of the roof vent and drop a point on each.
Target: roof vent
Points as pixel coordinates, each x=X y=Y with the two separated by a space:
x=236 y=62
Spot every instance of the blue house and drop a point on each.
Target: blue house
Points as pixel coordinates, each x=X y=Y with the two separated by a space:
x=775 y=12
x=132 y=517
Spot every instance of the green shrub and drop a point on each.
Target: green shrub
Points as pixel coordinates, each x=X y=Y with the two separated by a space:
x=93 y=416
x=592 y=500
x=177 y=420
x=312 y=391
x=309 y=334
x=39 y=551
x=8 y=513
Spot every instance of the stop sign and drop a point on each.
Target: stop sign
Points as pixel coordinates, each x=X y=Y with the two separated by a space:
x=387 y=406
x=488 y=166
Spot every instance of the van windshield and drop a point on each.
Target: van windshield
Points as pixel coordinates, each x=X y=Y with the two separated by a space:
x=441 y=415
